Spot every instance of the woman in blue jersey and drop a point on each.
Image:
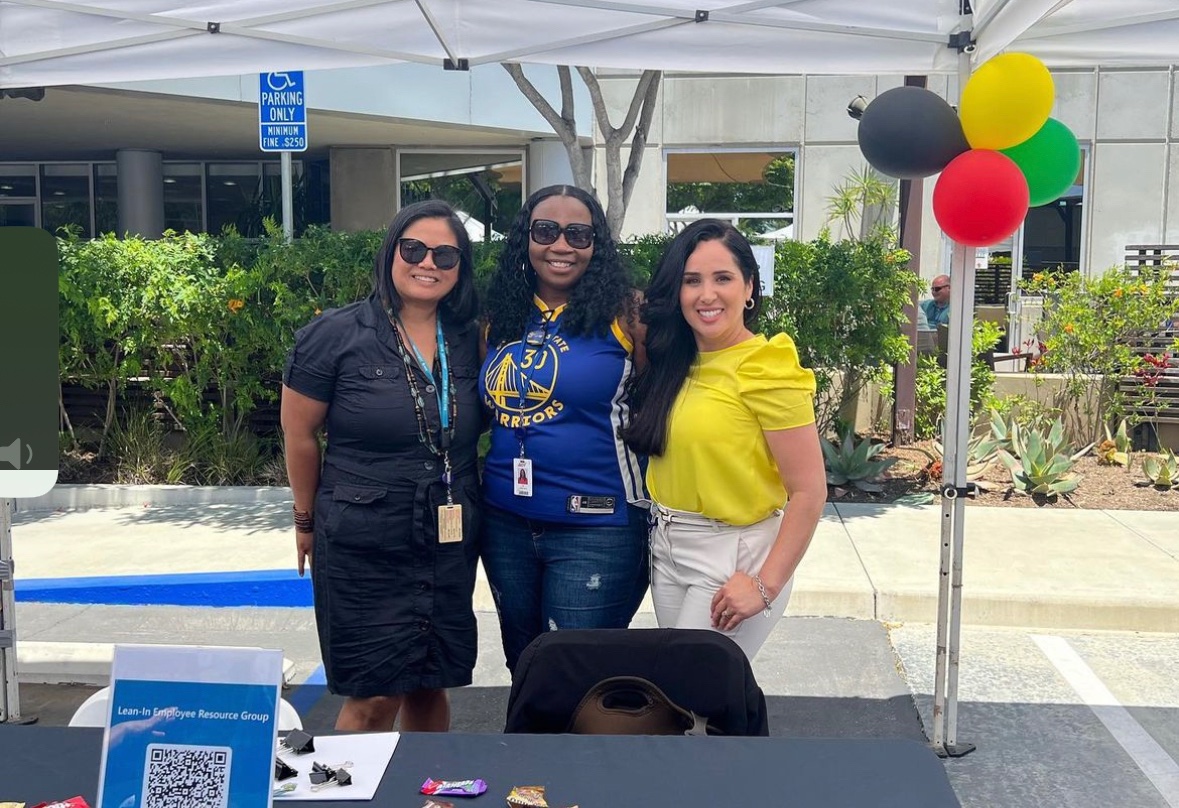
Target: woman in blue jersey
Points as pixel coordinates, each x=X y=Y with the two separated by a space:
x=562 y=545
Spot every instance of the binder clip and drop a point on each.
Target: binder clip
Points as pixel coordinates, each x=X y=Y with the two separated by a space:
x=297 y=741
x=282 y=771
x=325 y=776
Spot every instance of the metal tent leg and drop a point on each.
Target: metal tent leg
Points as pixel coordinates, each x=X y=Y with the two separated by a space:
x=9 y=694
x=954 y=490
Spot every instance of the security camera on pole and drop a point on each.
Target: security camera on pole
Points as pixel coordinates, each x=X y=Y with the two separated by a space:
x=282 y=127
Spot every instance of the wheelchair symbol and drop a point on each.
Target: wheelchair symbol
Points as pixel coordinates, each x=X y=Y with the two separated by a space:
x=279 y=81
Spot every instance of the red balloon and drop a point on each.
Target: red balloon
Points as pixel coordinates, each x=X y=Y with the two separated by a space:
x=980 y=198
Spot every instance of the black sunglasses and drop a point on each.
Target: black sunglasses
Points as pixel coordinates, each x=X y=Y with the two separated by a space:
x=414 y=252
x=577 y=236
x=939 y=288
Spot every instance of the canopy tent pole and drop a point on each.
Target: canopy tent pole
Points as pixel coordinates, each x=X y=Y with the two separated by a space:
x=9 y=694
x=955 y=437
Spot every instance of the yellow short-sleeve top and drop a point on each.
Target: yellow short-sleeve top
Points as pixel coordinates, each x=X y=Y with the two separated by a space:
x=717 y=461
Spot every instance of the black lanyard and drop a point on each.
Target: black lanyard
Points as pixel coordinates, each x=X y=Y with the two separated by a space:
x=425 y=434
x=535 y=338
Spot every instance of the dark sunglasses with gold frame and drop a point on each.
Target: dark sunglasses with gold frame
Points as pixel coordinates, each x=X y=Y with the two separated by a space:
x=577 y=236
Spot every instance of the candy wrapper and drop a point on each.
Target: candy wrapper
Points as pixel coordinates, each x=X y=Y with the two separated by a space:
x=527 y=797
x=437 y=804
x=72 y=802
x=454 y=788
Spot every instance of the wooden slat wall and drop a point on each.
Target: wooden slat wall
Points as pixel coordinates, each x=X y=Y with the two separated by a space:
x=1160 y=403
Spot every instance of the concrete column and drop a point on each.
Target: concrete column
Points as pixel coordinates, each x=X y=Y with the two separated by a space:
x=141 y=192
x=364 y=189
x=548 y=164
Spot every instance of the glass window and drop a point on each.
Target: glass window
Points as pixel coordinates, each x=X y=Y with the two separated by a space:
x=485 y=188
x=183 y=208
x=18 y=181
x=106 y=198
x=18 y=214
x=65 y=198
x=235 y=198
x=1052 y=232
x=753 y=190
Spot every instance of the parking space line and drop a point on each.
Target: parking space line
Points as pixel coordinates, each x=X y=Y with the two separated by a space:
x=1152 y=759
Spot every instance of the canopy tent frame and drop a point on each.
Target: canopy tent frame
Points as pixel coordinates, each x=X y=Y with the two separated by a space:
x=775 y=36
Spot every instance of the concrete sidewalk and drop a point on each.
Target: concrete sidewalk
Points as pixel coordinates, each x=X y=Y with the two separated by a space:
x=1050 y=569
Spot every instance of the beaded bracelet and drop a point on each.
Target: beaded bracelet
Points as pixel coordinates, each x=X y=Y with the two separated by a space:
x=765 y=598
x=304 y=521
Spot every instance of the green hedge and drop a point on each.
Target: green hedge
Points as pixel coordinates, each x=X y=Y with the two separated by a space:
x=205 y=322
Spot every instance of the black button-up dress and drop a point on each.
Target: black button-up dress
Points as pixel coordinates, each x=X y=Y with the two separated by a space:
x=392 y=604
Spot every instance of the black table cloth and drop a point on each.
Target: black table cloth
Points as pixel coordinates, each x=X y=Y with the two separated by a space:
x=45 y=763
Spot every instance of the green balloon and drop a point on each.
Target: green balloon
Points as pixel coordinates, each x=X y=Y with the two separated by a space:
x=1049 y=160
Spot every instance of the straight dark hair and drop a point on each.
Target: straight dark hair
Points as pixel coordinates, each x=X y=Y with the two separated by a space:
x=601 y=295
x=461 y=304
x=671 y=345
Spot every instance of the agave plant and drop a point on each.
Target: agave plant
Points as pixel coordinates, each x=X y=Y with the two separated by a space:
x=1162 y=471
x=854 y=463
x=980 y=454
x=1043 y=464
x=1115 y=449
x=1003 y=435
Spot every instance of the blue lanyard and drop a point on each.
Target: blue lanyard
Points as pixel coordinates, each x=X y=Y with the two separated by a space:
x=442 y=391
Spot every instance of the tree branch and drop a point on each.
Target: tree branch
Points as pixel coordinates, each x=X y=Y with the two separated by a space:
x=638 y=143
x=640 y=100
x=558 y=122
x=599 y=103
x=563 y=124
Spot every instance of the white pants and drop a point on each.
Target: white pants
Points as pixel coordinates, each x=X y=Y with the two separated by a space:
x=693 y=556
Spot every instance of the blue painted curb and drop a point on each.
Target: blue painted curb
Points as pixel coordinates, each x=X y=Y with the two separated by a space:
x=252 y=588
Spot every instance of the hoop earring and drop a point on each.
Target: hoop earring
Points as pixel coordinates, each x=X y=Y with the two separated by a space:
x=750 y=303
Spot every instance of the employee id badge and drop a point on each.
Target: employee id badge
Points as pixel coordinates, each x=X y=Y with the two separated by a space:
x=522 y=474
x=450 y=524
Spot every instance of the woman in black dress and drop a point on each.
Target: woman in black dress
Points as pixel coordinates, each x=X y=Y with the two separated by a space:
x=388 y=517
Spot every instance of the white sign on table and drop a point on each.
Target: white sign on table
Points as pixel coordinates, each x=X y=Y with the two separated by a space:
x=190 y=725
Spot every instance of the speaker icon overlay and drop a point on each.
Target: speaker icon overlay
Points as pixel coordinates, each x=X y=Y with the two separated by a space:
x=11 y=455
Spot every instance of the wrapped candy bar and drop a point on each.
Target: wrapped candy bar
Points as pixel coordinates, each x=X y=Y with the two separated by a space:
x=454 y=788
x=527 y=797
x=72 y=802
x=437 y=804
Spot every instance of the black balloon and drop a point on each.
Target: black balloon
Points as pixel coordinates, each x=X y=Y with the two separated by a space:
x=910 y=132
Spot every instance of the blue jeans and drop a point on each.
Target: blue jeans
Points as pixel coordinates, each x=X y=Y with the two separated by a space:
x=548 y=576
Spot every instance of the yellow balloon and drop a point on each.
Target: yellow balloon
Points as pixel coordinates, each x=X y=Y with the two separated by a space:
x=1006 y=101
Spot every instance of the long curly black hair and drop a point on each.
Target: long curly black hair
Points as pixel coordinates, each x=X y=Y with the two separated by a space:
x=601 y=295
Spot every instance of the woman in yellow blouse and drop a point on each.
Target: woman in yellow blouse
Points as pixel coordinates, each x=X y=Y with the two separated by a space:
x=727 y=418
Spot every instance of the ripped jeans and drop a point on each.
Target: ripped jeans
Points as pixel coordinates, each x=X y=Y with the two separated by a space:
x=547 y=576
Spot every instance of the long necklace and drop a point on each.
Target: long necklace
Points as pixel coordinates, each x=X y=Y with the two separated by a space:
x=447 y=403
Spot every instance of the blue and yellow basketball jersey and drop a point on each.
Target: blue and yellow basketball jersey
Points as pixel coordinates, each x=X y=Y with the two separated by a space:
x=562 y=397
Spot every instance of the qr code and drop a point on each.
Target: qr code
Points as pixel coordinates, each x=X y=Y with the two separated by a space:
x=176 y=776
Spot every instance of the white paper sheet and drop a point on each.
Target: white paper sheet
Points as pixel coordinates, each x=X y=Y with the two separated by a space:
x=369 y=754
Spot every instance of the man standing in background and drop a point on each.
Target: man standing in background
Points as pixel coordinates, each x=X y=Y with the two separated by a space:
x=937 y=310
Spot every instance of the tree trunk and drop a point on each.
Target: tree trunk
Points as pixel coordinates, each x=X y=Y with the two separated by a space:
x=619 y=182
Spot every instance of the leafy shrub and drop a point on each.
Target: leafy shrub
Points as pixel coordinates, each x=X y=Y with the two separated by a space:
x=931 y=382
x=1088 y=327
x=842 y=303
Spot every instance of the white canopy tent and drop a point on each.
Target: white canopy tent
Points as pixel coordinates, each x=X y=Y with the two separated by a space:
x=49 y=42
